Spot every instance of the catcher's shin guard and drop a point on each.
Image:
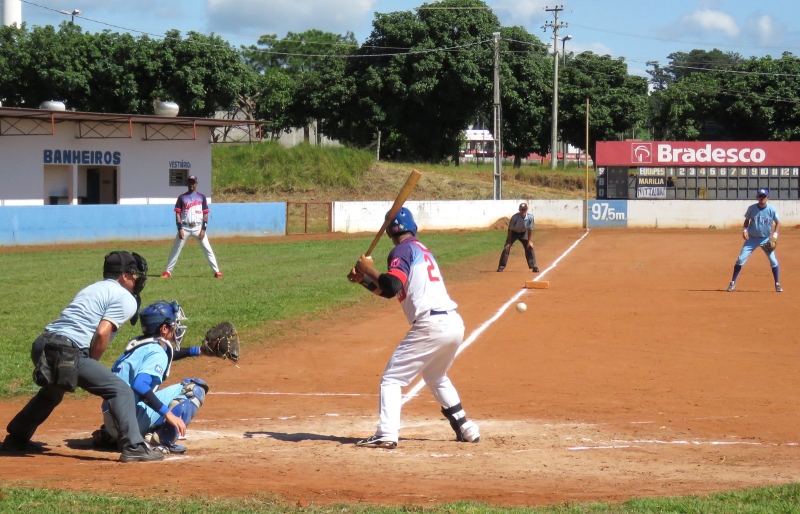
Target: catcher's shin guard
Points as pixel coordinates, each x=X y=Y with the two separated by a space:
x=466 y=431
x=185 y=407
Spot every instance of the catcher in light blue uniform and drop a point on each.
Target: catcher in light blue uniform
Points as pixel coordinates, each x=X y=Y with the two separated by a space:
x=760 y=229
x=144 y=365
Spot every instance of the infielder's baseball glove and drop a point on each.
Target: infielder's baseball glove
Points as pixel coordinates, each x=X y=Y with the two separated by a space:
x=770 y=245
x=222 y=341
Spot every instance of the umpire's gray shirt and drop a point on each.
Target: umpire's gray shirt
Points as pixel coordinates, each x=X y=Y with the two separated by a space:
x=520 y=224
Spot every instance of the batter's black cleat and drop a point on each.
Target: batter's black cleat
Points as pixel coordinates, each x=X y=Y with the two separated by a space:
x=140 y=453
x=778 y=288
x=500 y=268
x=731 y=286
x=13 y=444
x=377 y=441
x=535 y=269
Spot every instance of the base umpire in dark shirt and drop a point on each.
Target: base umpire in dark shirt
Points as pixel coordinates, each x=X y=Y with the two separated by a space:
x=519 y=229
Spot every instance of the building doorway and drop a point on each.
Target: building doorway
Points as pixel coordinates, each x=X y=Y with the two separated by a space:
x=101 y=185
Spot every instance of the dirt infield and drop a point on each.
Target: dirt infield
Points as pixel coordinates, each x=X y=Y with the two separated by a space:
x=635 y=374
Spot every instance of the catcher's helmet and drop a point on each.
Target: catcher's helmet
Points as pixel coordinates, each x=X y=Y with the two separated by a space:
x=402 y=222
x=159 y=313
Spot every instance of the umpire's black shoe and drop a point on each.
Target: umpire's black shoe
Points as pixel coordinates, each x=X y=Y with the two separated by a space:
x=13 y=444
x=535 y=269
x=500 y=268
x=140 y=453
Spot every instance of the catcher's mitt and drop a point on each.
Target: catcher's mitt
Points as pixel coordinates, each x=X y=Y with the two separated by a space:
x=222 y=341
x=770 y=245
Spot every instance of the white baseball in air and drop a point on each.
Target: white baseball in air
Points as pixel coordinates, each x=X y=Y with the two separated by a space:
x=521 y=307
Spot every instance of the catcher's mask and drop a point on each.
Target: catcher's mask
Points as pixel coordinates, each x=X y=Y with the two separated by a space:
x=402 y=222
x=126 y=262
x=162 y=313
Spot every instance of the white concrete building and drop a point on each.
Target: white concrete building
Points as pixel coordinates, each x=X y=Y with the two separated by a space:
x=77 y=158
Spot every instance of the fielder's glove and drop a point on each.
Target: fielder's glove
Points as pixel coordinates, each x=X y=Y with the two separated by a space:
x=222 y=341
x=770 y=245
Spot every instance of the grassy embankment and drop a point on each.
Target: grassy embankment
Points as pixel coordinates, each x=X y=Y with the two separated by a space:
x=779 y=499
x=269 y=172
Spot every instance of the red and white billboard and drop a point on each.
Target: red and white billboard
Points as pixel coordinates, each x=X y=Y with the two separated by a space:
x=698 y=153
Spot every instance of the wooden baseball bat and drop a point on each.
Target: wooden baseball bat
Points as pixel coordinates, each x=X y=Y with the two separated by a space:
x=402 y=196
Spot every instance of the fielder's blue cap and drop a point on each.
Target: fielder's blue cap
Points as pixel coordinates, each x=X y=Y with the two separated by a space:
x=763 y=191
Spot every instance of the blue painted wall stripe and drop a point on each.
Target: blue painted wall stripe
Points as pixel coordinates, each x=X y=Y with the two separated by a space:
x=51 y=224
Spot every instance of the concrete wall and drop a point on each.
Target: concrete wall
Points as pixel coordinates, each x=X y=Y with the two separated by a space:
x=454 y=214
x=53 y=224
x=702 y=213
x=143 y=166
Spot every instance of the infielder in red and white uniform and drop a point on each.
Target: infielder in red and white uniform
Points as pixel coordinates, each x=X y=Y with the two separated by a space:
x=191 y=218
x=436 y=332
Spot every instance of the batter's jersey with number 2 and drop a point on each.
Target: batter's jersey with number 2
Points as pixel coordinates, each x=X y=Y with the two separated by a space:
x=423 y=285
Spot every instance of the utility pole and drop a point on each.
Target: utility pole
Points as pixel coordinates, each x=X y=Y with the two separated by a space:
x=498 y=170
x=554 y=129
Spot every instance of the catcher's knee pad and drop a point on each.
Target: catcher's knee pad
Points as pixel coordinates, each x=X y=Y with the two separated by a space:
x=194 y=389
x=185 y=409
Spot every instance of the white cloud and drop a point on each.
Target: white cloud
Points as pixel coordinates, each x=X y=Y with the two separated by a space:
x=520 y=12
x=763 y=29
x=281 y=16
x=711 y=21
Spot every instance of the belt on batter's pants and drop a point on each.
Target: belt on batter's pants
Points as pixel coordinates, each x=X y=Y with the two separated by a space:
x=187 y=224
x=438 y=313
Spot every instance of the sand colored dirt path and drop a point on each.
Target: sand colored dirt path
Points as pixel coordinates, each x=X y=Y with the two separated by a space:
x=634 y=374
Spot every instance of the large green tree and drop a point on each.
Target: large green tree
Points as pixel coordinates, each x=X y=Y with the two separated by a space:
x=618 y=101
x=424 y=97
x=526 y=89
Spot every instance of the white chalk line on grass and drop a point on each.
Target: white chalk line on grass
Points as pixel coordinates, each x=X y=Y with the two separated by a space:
x=481 y=329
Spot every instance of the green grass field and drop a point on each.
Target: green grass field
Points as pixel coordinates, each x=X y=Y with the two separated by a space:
x=263 y=283
x=779 y=499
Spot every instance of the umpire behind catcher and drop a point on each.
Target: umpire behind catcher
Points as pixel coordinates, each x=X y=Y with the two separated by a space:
x=519 y=229
x=66 y=357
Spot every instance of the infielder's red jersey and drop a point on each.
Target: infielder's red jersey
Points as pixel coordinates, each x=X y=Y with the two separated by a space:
x=192 y=206
x=423 y=284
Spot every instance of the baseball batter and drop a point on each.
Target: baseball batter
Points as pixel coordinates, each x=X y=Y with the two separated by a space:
x=436 y=332
x=163 y=415
x=760 y=226
x=191 y=218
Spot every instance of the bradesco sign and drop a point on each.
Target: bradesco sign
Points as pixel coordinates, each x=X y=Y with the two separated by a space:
x=679 y=153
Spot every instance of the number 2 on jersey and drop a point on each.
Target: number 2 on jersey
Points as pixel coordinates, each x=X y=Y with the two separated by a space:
x=431 y=268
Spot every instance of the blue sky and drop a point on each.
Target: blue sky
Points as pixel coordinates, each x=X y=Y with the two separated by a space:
x=639 y=30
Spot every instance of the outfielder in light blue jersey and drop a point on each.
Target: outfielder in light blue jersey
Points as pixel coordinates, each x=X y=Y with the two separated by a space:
x=162 y=414
x=760 y=225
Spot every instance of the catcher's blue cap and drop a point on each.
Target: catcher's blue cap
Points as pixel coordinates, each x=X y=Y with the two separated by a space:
x=763 y=191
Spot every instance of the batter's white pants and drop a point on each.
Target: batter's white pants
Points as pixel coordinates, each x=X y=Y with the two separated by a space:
x=177 y=246
x=428 y=348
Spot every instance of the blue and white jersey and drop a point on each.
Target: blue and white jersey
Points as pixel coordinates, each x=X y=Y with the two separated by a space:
x=423 y=284
x=143 y=355
x=104 y=300
x=191 y=207
x=760 y=220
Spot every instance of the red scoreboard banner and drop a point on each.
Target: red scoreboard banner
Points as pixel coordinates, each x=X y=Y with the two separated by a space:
x=698 y=153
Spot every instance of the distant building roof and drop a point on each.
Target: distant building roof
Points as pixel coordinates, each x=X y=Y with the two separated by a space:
x=60 y=116
x=479 y=135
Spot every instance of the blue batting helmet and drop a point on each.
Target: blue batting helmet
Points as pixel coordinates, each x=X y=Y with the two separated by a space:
x=159 y=313
x=402 y=222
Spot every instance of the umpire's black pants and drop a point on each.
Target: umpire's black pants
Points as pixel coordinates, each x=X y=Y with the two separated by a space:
x=92 y=377
x=522 y=237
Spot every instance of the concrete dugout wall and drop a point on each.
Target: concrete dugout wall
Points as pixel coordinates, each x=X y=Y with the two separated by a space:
x=352 y=217
x=54 y=224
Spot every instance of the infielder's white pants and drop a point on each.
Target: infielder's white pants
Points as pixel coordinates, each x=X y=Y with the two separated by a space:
x=177 y=246
x=428 y=348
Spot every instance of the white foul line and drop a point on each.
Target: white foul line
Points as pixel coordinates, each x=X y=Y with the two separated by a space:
x=478 y=331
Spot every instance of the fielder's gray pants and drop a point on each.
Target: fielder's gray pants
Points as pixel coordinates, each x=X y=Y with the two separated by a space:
x=94 y=378
x=177 y=246
x=522 y=237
